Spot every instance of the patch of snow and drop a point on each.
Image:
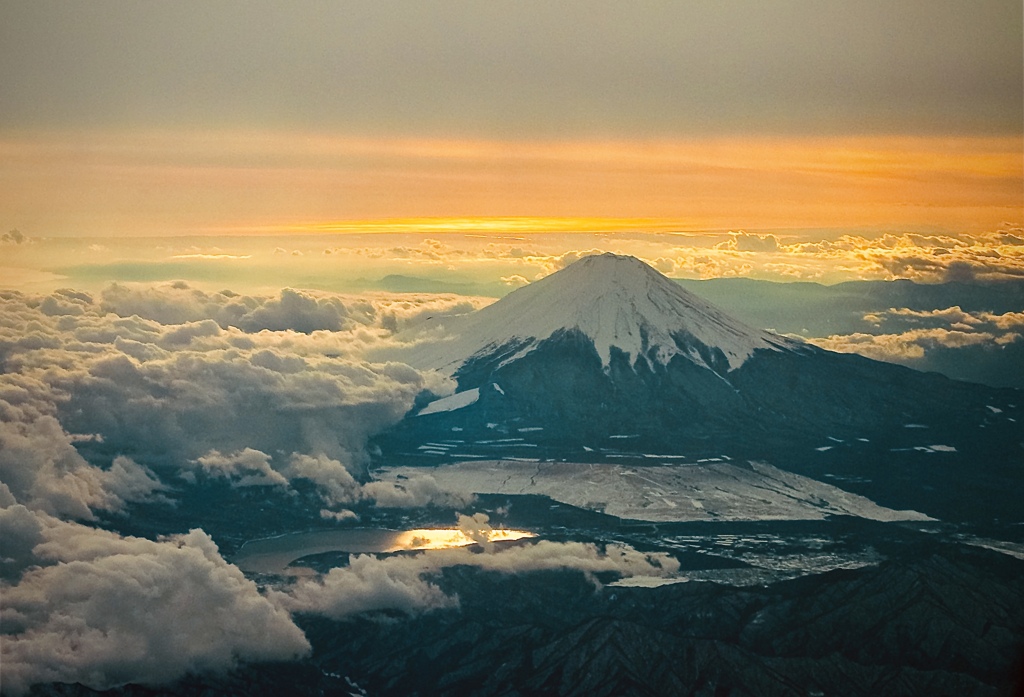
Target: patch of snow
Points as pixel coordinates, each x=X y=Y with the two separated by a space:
x=662 y=493
x=635 y=435
x=497 y=388
x=914 y=426
x=942 y=448
x=824 y=448
x=530 y=429
x=994 y=410
x=1012 y=549
x=647 y=581
x=458 y=400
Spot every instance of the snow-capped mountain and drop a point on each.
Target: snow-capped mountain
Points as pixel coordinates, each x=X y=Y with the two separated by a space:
x=616 y=302
x=607 y=360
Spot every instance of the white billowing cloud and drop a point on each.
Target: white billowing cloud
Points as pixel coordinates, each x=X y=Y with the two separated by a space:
x=402 y=582
x=296 y=310
x=22 y=532
x=1006 y=320
x=334 y=482
x=409 y=309
x=41 y=468
x=192 y=395
x=185 y=404
x=908 y=345
x=747 y=242
x=914 y=332
x=514 y=281
x=259 y=391
x=246 y=468
x=412 y=493
x=477 y=528
x=105 y=610
x=179 y=303
x=367 y=584
x=555 y=263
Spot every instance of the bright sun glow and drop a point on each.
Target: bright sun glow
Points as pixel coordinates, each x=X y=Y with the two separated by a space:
x=448 y=538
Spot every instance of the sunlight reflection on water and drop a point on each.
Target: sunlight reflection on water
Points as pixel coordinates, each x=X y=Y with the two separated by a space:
x=274 y=554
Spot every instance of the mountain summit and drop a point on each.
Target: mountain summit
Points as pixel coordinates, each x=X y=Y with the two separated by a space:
x=617 y=303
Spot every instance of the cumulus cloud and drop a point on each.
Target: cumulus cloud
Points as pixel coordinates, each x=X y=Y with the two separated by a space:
x=192 y=394
x=182 y=404
x=411 y=493
x=105 y=401
x=332 y=479
x=179 y=303
x=247 y=467
x=900 y=347
x=40 y=467
x=963 y=257
x=514 y=281
x=104 y=610
x=402 y=583
x=410 y=309
x=913 y=333
x=747 y=242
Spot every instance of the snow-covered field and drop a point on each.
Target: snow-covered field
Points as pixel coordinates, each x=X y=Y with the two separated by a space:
x=662 y=493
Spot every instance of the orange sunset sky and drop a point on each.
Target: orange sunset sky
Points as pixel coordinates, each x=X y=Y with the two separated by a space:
x=123 y=120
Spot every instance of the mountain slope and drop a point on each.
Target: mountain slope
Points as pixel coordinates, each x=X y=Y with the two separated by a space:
x=614 y=301
x=608 y=359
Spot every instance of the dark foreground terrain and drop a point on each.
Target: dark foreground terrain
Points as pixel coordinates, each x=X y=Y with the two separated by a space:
x=930 y=616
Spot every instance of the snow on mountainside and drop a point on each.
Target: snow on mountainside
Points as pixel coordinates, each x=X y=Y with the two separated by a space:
x=615 y=301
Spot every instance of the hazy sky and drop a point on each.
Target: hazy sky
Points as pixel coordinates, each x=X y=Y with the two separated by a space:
x=518 y=70
x=150 y=118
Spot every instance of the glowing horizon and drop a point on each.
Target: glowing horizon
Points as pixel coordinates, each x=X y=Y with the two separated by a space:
x=101 y=183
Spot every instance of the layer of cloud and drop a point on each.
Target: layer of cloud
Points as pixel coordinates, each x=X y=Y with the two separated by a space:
x=124 y=398
x=967 y=256
x=164 y=375
x=332 y=479
x=179 y=303
x=403 y=583
x=905 y=335
x=95 y=608
x=41 y=468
